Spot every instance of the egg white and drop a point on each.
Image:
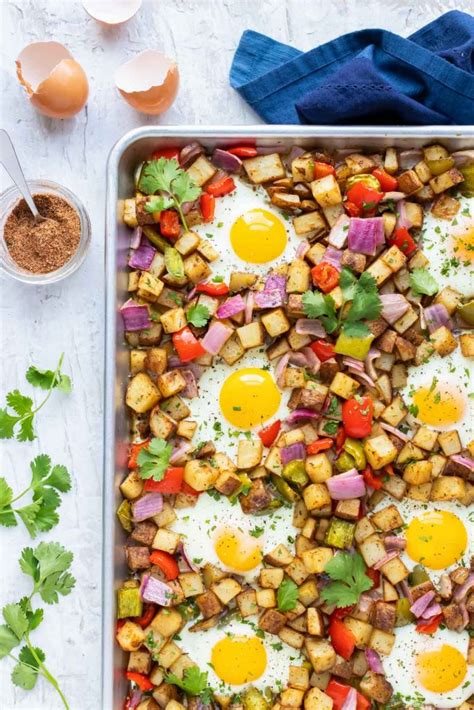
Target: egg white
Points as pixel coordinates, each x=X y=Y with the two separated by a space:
x=280 y=656
x=439 y=245
x=200 y=526
x=400 y=668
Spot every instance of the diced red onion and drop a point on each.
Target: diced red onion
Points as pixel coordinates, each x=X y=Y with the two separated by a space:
x=353 y=362
x=189 y=153
x=393 y=195
x=179 y=452
x=197 y=370
x=365 y=235
x=232 y=307
x=409 y=158
x=191 y=294
x=339 y=231
x=373 y=661
x=268 y=149
x=226 y=161
x=333 y=256
x=218 y=175
x=394 y=306
x=433 y=610
x=182 y=551
x=136 y=238
x=463 y=460
x=134 y=699
x=437 y=316
x=463 y=157
x=191 y=390
x=142 y=257
x=276 y=281
x=346 y=485
x=146 y=507
x=463 y=590
x=299 y=414
x=369 y=362
x=135 y=316
x=216 y=337
x=362 y=376
x=268 y=299
x=396 y=432
x=294 y=452
x=186 y=207
x=281 y=367
x=313 y=360
x=310 y=326
x=402 y=217
x=156 y=591
x=350 y=703
x=465 y=615
x=389 y=556
x=298 y=359
x=422 y=603
x=303 y=249
x=393 y=542
x=249 y=304
x=295 y=152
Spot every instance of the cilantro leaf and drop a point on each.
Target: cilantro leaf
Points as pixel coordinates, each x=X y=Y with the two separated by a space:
x=317 y=305
x=158 y=175
x=287 y=595
x=8 y=640
x=7 y=424
x=158 y=204
x=6 y=494
x=356 y=330
x=184 y=188
x=19 y=403
x=198 y=315
x=421 y=282
x=16 y=619
x=366 y=303
x=25 y=673
x=49 y=565
x=153 y=460
x=347 y=572
x=166 y=176
x=28 y=515
x=347 y=283
x=47 y=379
x=194 y=682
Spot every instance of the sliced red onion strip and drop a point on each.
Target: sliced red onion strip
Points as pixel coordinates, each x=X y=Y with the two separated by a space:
x=333 y=256
x=189 y=153
x=432 y=610
x=362 y=376
x=422 y=603
x=389 y=556
x=402 y=217
x=346 y=485
x=298 y=359
x=191 y=390
x=182 y=551
x=463 y=460
x=350 y=703
x=303 y=248
x=437 y=316
x=146 y=507
x=280 y=369
x=216 y=337
x=352 y=362
x=292 y=453
x=299 y=414
x=463 y=590
x=339 y=232
x=142 y=257
x=136 y=238
x=153 y=590
x=135 y=699
x=396 y=432
x=373 y=661
x=276 y=281
x=135 y=316
x=394 y=306
x=268 y=298
x=393 y=542
x=179 y=451
x=232 y=307
x=313 y=360
x=393 y=195
x=249 y=304
x=226 y=161
x=365 y=235
x=295 y=152
x=310 y=326
x=174 y=362
x=368 y=362
x=409 y=158
x=463 y=157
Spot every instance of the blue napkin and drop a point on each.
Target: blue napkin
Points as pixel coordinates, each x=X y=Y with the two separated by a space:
x=366 y=77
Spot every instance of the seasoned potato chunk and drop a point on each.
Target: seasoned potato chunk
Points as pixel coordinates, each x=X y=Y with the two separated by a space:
x=200 y=474
x=142 y=393
x=264 y=168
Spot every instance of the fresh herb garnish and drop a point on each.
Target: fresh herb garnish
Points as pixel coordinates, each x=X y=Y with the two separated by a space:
x=194 y=682
x=331 y=427
x=421 y=282
x=153 y=459
x=198 y=315
x=166 y=176
x=318 y=305
x=287 y=595
x=349 y=579
x=46 y=483
x=257 y=531
x=23 y=406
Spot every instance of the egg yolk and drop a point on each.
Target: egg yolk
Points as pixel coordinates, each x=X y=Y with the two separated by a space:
x=258 y=236
x=441 y=670
x=237 y=551
x=438 y=405
x=436 y=539
x=239 y=659
x=463 y=245
x=249 y=397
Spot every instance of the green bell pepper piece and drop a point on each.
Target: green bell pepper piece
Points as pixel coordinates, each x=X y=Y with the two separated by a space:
x=174 y=263
x=124 y=514
x=156 y=239
x=129 y=602
x=253 y=699
x=283 y=488
x=440 y=166
x=467 y=187
x=345 y=462
x=366 y=178
x=418 y=575
x=295 y=472
x=353 y=347
x=403 y=613
x=466 y=311
x=340 y=533
x=356 y=450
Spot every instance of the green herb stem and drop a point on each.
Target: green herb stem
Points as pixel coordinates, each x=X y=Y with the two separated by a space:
x=49 y=677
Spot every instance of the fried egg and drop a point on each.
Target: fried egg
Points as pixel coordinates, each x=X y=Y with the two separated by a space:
x=431 y=668
x=238 y=654
x=219 y=532
x=437 y=394
x=449 y=245
x=249 y=232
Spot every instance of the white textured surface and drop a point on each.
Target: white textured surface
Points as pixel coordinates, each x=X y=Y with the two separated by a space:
x=38 y=323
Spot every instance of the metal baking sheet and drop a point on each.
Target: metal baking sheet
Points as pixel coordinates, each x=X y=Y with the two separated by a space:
x=134 y=147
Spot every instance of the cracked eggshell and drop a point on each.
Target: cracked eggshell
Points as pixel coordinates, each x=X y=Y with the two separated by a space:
x=148 y=82
x=112 y=12
x=55 y=83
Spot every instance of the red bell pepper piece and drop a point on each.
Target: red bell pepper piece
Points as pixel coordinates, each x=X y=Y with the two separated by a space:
x=186 y=488
x=186 y=345
x=170 y=483
x=389 y=470
x=221 y=187
x=364 y=197
x=270 y=433
x=342 y=638
x=323 y=169
x=341 y=612
x=166 y=563
x=339 y=692
x=374 y=575
x=168 y=153
x=387 y=182
x=352 y=209
x=323 y=350
x=340 y=439
x=402 y=239
x=430 y=626
x=243 y=151
x=169 y=224
x=371 y=480
x=320 y=445
x=207 y=204
x=119 y=624
x=325 y=276
x=213 y=289
x=145 y=619
x=134 y=451
x=357 y=415
x=143 y=682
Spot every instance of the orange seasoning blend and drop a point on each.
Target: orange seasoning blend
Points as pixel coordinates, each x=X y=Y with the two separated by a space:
x=46 y=246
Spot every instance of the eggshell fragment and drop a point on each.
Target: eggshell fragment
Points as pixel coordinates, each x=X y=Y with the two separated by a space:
x=55 y=83
x=112 y=12
x=148 y=82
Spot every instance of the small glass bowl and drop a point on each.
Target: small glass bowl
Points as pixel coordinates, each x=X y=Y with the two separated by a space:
x=8 y=200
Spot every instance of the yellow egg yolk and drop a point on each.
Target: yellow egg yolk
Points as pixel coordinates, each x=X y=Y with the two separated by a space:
x=249 y=397
x=436 y=539
x=439 y=405
x=463 y=244
x=237 y=551
x=258 y=236
x=239 y=659
x=441 y=670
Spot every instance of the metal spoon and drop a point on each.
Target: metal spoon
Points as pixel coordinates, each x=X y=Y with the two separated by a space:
x=10 y=162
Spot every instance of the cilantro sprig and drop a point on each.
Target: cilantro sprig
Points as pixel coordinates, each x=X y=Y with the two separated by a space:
x=421 y=282
x=287 y=595
x=198 y=315
x=194 y=682
x=153 y=459
x=172 y=182
x=40 y=515
x=20 y=424
x=48 y=565
x=347 y=572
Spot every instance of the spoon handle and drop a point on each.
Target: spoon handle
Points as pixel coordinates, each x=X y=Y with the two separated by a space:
x=10 y=162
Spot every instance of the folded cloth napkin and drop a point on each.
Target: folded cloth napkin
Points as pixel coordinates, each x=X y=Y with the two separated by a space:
x=366 y=77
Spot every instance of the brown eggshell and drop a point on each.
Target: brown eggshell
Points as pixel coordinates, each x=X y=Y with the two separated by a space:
x=148 y=82
x=112 y=12
x=55 y=83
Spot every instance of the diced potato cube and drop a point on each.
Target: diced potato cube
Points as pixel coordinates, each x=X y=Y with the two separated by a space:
x=207 y=250
x=310 y=225
x=264 y=168
x=359 y=163
x=171 y=383
x=450 y=442
x=247 y=602
x=409 y=182
x=382 y=641
x=270 y=578
x=232 y=350
x=320 y=653
x=425 y=438
x=195 y=268
x=132 y=486
x=130 y=636
x=443 y=341
x=166 y=540
x=298 y=677
x=448 y=488
x=149 y=287
x=395 y=412
x=318 y=467
x=380 y=271
x=186 y=429
x=316 y=496
x=142 y=393
x=418 y=472
x=280 y=556
x=161 y=424
x=294 y=377
x=446 y=180
x=362 y=630
x=406 y=321
x=380 y=451
x=466 y=341
x=133 y=280
x=137 y=361
x=251 y=335
x=187 y=243
x=249 y=453
x=316 y=699
x=129 y=214
x=326 y=191
x=387 y=519
x=315 y=560
x=391 y=161
x=156 y=360
x=299 y=277
x=363 y=529
x=200 y=474
x=240 y=280
x=173 y=320
x=395 y=571
x=226 y=589
x=394 y=258
x=275 y=322
x=372 y=550
x=266 y=598
x=449 y=298
x=302 y=168
x=343 y=385
x=201 y=171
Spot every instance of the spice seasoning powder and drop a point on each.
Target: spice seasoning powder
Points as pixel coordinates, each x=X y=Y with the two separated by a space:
x=46 y=246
